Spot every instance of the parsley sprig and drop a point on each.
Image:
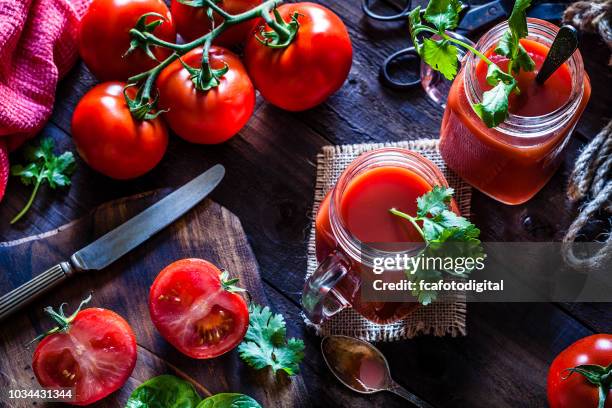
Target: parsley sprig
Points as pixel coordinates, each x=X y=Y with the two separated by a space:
x=44 y=166
x=441 y=54
x=445 y=233
x=266 y=344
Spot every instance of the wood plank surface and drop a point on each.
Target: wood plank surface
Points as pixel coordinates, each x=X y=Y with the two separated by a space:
x=269 y=186
x=208 y=231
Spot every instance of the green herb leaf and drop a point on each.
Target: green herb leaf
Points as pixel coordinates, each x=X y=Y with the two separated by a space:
x=227 y=400
x=443 y=14
x=493 y=109
x=44 y=167
x=265 y=343
x=441 y=55
x=165 y=391
x=496 y=75
x=414 y=22
x=518 y=18
x=523 y=61
x=446 y=235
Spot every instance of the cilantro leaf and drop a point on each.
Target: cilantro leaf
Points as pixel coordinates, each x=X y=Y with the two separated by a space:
x=496 y=75
x=443 y=14
x=518 y=18
x=414 y=22
x=523 y=61
x=441 y=56
x=265 y=343
x=45 y=166
x=493 y=109
x=446 y=235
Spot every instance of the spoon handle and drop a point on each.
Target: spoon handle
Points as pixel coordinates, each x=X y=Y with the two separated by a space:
x=562 y=48
x=407 y=395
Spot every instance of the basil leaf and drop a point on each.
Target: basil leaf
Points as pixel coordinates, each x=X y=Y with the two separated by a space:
x=165 y=391
x=441 y=56
x=229 y=400
x=443 y=14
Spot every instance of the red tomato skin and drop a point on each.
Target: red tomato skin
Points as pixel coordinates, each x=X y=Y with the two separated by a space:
x=311 y=68
x=87 y=321
x=194 y=276
x=192 y=23
x=110 y=140
x=104 y=37
x=576 y=391
x=206 y=117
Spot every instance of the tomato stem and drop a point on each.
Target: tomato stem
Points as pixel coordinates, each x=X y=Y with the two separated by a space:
x=206 y=78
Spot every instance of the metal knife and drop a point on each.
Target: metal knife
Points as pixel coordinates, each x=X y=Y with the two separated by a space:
x=116 y=243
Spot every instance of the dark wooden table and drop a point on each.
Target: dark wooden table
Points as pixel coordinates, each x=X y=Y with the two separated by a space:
x=503 y=360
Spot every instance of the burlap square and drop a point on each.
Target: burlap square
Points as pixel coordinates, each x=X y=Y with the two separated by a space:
x=439 y=319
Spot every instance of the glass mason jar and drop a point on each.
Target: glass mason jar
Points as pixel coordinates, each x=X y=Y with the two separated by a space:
x=514 y=160
x=344 y=260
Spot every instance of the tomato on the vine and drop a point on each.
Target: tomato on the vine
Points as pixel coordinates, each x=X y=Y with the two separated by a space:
x=104 y=37
x=211 y=116
x=308 y=70
x=192 y=22
x=196 y=310
x=574 y=374
x=94 y=355
x=110 y=140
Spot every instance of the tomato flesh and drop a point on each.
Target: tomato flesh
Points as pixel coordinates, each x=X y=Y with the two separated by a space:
x=194 y=313
x=95 y=356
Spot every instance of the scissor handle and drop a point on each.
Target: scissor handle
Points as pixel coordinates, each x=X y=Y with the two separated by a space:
x=365 y=6
x=386 y=78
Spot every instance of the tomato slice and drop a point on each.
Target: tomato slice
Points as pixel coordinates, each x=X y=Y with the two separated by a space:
x=195 y=312
x=95 y=356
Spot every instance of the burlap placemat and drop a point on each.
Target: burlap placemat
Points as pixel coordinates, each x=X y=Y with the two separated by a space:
x=439 y=319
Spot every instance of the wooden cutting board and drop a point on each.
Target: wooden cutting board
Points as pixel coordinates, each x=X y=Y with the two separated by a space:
x=208 y=231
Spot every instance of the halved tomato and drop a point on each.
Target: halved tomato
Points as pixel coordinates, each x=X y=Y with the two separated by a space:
x=196 y=311
x=95 y=355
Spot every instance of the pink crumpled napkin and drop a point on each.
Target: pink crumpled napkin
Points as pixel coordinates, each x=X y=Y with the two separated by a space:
x=37 y=47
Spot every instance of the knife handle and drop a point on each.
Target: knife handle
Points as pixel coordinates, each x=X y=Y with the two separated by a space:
x=24 y=294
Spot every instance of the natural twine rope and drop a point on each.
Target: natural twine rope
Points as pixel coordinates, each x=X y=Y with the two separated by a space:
x=592 y=179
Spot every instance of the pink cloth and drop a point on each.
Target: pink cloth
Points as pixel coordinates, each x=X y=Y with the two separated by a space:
x=37 y=47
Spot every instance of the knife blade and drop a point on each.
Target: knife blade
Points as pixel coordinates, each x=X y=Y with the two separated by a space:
x=116 y=243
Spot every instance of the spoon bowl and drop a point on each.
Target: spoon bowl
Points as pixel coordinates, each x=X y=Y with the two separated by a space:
x=362 y=367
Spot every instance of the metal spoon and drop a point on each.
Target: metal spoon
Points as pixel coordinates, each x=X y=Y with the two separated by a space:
x=362 y=368
x=564 y=45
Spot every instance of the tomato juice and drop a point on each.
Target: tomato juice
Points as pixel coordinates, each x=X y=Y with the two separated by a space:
x=513 y=161
x=355 y=216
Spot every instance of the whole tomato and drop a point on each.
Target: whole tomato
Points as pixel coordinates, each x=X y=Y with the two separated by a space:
x=94 y=355
x=570 y=389
x=212 y=116
x=312 y=67
x=110 y=139
x=104 y=37
x=192 y=22
x=196 y=311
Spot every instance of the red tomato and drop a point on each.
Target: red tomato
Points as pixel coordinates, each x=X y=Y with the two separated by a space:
x=194 y=312
x=575 y=391
x=104 y=37
x=192 y=23
x=311 y=68
x=212 y=116
x=96 y=356
x=110 y=140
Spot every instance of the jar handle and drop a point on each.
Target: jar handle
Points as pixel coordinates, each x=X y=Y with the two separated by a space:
x=320 y=299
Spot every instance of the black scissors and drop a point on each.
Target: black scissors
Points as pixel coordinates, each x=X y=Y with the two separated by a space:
x=474 y=18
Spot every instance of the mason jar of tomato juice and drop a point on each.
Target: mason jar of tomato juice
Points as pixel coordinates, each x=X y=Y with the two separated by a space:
x=514 y=160
x=354 y=220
